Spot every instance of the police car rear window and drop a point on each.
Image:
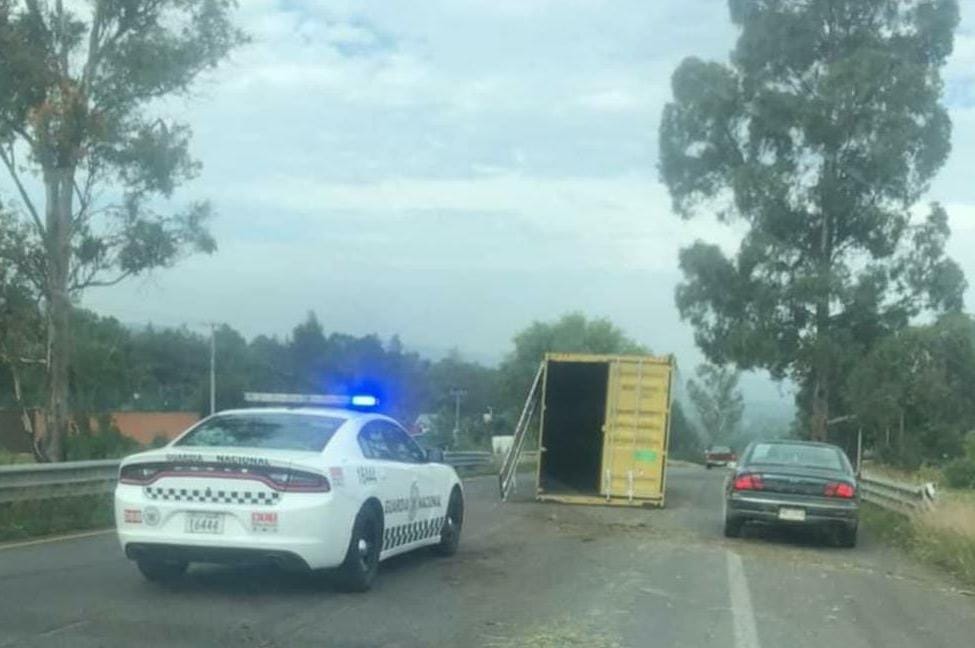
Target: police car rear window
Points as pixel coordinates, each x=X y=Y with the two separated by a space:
x=272 y=431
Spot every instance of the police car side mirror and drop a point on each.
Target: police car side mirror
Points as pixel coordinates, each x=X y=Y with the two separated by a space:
x=434 y=455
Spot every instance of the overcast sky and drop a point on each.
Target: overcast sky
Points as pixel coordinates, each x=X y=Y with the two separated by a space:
x=453 y=170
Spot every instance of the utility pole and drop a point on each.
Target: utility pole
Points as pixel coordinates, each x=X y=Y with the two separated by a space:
x=213 y=367
x=458 y=394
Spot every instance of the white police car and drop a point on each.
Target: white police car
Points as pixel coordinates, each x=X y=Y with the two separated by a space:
x=305 y=488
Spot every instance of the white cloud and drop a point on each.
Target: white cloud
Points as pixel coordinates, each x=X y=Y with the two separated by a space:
x=453 y=169
x=615 y=100
x=620 y=222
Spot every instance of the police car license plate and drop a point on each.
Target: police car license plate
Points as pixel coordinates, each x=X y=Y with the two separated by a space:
x=204 y=523
x=792 y=514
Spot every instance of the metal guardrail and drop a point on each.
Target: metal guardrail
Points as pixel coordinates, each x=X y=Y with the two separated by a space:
x=45 y=481
x=468 y=459
x=22 y=482
x=897 y=496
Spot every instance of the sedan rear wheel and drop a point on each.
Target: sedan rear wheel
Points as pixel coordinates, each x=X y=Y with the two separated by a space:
x=732 y=527
x=847 y=537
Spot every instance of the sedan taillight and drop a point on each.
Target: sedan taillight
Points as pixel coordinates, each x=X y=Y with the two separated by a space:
x=839 y=489
x=749 y=482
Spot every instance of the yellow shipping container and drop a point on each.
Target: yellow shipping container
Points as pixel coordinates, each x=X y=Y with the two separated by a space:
x=605 y=426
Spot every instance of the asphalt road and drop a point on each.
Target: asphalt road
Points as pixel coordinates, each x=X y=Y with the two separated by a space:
x=527 y=574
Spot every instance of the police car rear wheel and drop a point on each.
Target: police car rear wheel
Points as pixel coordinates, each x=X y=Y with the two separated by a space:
x=450 y=533
x=161 y=571
x=362 y=558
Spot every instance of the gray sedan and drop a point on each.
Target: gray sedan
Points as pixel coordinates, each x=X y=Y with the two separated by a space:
x=794 y=483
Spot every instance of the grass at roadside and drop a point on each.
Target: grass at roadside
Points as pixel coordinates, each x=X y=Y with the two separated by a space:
x=923 y=475
x=31 y=519
x=7 y=457
x=944 y=537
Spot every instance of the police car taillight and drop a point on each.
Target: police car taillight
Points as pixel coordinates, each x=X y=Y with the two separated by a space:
x=139 y=473
x=298 y=481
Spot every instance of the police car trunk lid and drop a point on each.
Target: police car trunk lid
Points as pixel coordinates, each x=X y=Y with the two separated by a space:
x=219 y=475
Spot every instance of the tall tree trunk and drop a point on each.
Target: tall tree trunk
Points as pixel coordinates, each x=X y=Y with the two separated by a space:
x=58 y=185
x=819 y=423
x=820 y=406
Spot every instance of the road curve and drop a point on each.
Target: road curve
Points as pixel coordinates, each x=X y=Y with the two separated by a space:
x=528 y=574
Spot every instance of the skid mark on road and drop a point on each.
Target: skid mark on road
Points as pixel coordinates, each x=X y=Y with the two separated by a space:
x=746 y=635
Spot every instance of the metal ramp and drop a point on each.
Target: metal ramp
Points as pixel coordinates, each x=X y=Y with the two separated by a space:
x=508 y=477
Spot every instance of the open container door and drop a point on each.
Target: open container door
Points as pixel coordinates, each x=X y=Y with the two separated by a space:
x=636 y=432
x=571 y=438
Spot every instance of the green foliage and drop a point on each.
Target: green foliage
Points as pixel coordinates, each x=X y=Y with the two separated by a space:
x=118 y=368
x=968 y=445
x=718 y=401
x=32 y=518
x=913 y=392
x=950 y=546
x=21 y=348
x=572 y=333
x=820 y=136
x=104 y=441
x=81 y=111
x=960 y=473
x=158 y=441
x=7 y=457
x=102 y=359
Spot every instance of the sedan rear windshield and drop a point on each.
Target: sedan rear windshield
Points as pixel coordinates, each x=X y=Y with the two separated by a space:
x=272 y=431
x=797 y=455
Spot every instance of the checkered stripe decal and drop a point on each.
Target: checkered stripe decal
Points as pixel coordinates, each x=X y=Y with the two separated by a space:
x=210 y=496
x=407 y=533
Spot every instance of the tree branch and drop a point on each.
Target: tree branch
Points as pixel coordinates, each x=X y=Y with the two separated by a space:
x=91 y=283
x=10 y=163
x=84 y=197
x=91 y=64
x=19 y=130
x=63 y=33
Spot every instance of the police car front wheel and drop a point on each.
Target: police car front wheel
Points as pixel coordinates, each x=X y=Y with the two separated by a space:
x=362 y=557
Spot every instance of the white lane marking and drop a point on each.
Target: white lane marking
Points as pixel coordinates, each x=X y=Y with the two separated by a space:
x=746 y=635
x=74 y=536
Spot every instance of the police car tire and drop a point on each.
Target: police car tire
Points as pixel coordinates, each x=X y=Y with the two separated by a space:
x=452 y=525
x=160 y=571
x=359 y=568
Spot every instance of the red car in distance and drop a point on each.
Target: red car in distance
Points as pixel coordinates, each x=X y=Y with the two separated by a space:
x=719 y=456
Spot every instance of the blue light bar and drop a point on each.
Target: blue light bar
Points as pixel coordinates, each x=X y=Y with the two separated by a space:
x=358 y=401
x=364 y=400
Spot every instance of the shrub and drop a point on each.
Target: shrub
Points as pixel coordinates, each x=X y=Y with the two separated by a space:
x=969 y=445
x=7 y=457
x=31 y=518
x=960 y=473
x=105 y=442
x=159 y=441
